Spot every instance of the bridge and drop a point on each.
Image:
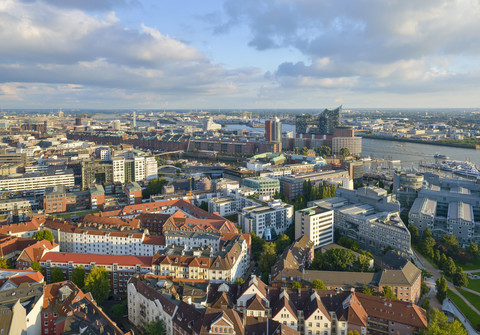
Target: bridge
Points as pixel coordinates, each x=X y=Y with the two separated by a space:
x=170 y=153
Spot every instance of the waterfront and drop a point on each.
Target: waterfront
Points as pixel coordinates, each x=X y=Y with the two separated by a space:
x=414 y=153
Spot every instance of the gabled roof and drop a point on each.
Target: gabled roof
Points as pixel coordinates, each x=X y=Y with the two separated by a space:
x=63 y=257
x=406 y=276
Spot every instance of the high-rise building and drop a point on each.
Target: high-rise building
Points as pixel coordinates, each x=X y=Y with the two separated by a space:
x=78 y=121
x=134 y=120
x=119 y=170
x=273 y=130
x=323 y=123
x=315 y=223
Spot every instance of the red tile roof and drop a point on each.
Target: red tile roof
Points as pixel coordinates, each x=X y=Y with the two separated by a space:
x=63 y=257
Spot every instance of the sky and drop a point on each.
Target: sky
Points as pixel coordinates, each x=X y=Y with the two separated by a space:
x=269 y=54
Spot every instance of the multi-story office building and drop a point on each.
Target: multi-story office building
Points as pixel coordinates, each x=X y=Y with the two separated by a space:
x=273 y=130
x=268 y=220
x=96 y=172
x=315 y=223
x=370 y=216
x=37 y=181
x=263 y=185
x=292 y=186
x=447 y=206
x=353 y=144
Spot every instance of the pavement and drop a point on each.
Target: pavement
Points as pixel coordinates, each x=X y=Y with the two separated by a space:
x=434 y=303
x=448 y=306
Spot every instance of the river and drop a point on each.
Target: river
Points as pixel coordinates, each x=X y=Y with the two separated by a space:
x=413 y=153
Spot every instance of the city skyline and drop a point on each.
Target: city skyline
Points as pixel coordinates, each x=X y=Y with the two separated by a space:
x=229 y=54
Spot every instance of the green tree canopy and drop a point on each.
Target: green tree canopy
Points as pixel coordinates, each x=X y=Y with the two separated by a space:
x=451 y=243
x=78 y=276
x=388 y=293
x=344 y=152
x=56 y=275
x=4 y=264
x=97 y=282
x=414 y=233
x=353 y=332
x=438 y=325
x=366 y=290
x=295 y=284
x=118 y=310
x=460 y=278
x=257 y=245
x=154 y=187
x=318 y=285
x=36 y=266
x=324 y=151
x=426 y=233
x=442 y=288
x=267 y=259
x=473 y=249
x=154 y=328
x=239 y=281
x=44 y=235
x=450 y=267
x=282 y=243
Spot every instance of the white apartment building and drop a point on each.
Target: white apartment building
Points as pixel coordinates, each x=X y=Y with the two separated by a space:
x=267 y=220
x=139 y=168
x=193 y=239
x=146 y=305
x=37 y=181
x=315 y=223
x=353 y=144
x=92 y=241
x=119 y=170
x=151 y=168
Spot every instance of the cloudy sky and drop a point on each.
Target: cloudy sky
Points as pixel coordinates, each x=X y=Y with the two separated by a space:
x=239 y=53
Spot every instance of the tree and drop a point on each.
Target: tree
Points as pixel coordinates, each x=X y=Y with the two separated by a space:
x=4 y=263
x=366 y=290
x=426 y=233
x=118 y=310
x=344 y=152
x=426 y=304
x=304 y=151
x=473 y=249
x=290 y=232
x=154 y=328
x=424 y=289
x=362 y=264
x=36 y=266
x=438 y=325
x=338 y=259
x=442 y=287
x=154 y=187
x=318 y=285
x=427 y=246
x=295 y=284
x=257 y=245
x=388 y=293
x=450 y=268
x=354 y=332
x=44 y=235
x=97 y=282
x=204 y=206
x=267 y=259
x=282 y=243
x=78 y=276
x=460 y=278
x=451 y=243
x=414 y=233
x=324 y=151
x=239 y=281
x=56 y=275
